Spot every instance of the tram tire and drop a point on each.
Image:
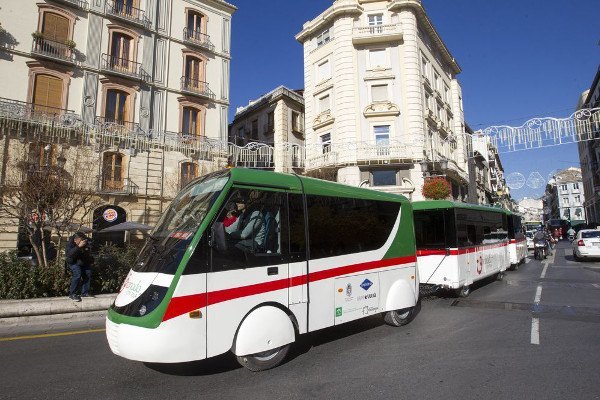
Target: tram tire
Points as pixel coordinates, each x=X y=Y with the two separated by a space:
x=265 y=360
x=399 y=317
x=464 y=291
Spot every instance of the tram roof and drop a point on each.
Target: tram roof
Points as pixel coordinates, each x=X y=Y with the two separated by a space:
x=445 y=204
x=311 y=186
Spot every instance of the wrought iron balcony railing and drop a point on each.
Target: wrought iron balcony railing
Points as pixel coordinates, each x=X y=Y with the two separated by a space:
x=39 y=114
x=123 y=187
x=196 y=87
x=126 y=12
x=51 y=49
x=122 y=66
x=75 y=3
x=117 y=127
x=198 y=38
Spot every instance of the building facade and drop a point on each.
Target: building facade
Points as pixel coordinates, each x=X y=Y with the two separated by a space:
x=269 y=132
x=383 y=105
x=589 y=152
x=141 y=87
x=531 y=209
x=564 y=197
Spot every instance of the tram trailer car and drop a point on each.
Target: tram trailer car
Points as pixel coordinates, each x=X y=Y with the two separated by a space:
x=459 y=244
x=324 y=254
x=517 y=245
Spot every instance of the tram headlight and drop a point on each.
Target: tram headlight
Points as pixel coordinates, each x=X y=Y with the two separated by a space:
x=145 y=303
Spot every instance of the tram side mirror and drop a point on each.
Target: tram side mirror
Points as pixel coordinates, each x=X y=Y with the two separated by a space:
x=218 y=240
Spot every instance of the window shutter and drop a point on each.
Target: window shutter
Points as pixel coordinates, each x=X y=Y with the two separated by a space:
x=47 y=92
x=55 y=27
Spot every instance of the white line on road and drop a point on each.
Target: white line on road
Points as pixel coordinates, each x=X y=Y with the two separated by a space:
x=535 y=331
x=543 y=275
x=596 y=285
x=538 y=295
x=550 y=259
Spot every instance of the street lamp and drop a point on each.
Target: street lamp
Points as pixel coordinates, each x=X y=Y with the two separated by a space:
x=424 y=166
x=444 y=164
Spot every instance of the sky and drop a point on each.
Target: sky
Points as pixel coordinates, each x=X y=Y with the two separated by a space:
x=520 y=59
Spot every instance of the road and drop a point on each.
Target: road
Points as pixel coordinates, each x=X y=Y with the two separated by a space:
x=535 y=335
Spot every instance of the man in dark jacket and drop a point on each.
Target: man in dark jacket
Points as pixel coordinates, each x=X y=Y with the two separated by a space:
x=79 y=260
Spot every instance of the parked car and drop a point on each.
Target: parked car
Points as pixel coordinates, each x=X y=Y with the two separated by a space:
x=586 y=244
x=529 y=237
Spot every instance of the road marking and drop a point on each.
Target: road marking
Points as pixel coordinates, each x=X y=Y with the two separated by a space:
x=47 y=335
x=538 y=295
x=535 y=331
x=596 y=285
x=550 y=259
x=543 y=275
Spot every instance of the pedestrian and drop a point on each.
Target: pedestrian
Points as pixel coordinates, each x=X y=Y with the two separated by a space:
x=79 y=260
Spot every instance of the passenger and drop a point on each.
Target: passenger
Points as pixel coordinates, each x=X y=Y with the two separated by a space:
x=250 y=230
x=231 y=219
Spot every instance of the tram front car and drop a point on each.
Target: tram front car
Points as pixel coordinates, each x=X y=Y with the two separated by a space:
x=141 y=324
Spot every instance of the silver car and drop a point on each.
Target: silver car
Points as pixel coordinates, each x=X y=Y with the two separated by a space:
x=586 y=244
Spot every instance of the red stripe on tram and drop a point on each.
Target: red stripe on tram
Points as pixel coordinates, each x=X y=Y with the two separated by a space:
x=184 y=304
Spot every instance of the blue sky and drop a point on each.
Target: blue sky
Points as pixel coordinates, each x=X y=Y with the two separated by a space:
x=520 y=59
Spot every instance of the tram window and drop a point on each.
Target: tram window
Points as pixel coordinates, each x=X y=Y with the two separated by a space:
x=248 y=230
x=429 y=229
x=339 y=225
x=297 y=228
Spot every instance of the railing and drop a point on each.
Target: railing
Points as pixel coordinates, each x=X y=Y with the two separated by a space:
x=196 y=37
x=52 y=49
x=124 y=187
x=122 y=66
x=122 y=10
x=44 y=115
x=196 y=87
x=377 y=32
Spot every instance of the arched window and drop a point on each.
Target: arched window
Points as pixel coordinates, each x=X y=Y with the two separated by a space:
x=192 y=122
x=116 y=108
x=189 y=172
x=121 y=51
x=195 y=24
x=112 y=171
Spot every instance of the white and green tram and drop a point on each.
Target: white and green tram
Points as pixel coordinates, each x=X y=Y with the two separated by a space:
x=317 y=254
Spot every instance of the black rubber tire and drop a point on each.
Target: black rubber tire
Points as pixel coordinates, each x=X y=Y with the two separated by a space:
x=576 y=257
x=464 y=291
x=265 y=360
x=399 y=317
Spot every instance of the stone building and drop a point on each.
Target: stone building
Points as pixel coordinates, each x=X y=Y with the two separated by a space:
x=589 y=152
x=136 y=90
x=269 y=132
x=383 y=105
x=564 y=197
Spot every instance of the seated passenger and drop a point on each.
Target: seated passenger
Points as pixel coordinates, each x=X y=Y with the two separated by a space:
x=249 y=228
x=231 y=218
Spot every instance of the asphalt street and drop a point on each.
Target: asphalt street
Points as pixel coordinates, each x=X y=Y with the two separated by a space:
x=534 y=335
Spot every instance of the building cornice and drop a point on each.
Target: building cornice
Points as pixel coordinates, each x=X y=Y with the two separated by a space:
x=271 y=97
x=423 y=19
x=221 y=5
x=339 y=8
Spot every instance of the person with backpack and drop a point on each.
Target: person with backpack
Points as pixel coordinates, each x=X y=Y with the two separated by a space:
x=79 y=260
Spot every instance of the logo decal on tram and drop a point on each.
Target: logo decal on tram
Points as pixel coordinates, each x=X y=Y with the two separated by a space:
x=366 y=284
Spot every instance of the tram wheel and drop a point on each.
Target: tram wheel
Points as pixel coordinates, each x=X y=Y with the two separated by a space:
x=399 y=317
x=264 y=360
x=464 y=291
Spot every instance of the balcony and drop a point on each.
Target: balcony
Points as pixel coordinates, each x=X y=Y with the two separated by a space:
x=122 y=67
x=196 y=87
x=119 y=9
x=36 y=114
x=117 y=128
x=52 y=50
x=83 y=5
x=123 y=187
x=377 y=34
x=197 y=38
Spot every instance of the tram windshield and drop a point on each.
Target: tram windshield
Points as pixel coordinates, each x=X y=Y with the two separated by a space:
x=170 y=238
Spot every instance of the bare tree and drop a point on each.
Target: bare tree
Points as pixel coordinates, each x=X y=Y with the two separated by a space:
x=45 y=196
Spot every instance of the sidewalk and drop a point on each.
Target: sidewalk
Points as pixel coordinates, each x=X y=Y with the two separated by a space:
x=53 y=305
